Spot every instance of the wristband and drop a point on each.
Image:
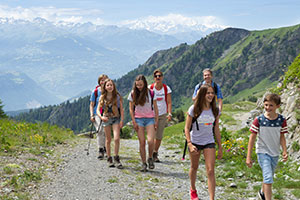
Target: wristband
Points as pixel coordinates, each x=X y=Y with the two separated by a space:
x=170 y=114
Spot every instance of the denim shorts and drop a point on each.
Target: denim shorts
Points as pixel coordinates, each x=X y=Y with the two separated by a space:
x=267 y=164
x=111 y=121
x=143 y=122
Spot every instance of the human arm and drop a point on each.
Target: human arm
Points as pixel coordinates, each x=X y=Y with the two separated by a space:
x=156 y=113
x=169 y=100
x=220 y=102
x=131 y=111
x=250 y=147
x=92 y=117
x=121 y=113
x=195 y=92
x=284 y=149
x=188 y=124
x=218 y=137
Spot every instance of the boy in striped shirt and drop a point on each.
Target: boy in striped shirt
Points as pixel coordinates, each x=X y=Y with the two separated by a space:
x=270 y=128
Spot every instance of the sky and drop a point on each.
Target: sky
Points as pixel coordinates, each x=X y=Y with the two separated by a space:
x=247 y=14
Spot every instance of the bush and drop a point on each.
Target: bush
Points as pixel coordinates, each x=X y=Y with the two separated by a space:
x=179 y=114
x=126 y=132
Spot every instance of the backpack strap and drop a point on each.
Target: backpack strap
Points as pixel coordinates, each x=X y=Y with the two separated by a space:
x=96 y=93
x=166 y=94
x=165 y=90
x=193 y=121
x=152 y=96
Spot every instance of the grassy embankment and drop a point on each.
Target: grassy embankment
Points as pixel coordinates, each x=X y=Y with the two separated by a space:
x=25 y=149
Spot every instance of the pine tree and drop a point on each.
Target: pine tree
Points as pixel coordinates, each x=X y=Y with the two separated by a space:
x=2 y=113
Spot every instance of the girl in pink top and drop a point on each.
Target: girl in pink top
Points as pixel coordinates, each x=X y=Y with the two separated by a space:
x=144 y=114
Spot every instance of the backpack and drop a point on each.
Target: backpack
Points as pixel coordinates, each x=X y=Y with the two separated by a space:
x=110 y=108
x=165 y=90
x=96 y=95
x=215 y=87
x=152 y=96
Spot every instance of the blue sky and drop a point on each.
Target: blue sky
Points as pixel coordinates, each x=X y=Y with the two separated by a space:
x=248 y=14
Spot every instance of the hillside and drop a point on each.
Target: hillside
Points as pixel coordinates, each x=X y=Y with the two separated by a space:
x=243 y=61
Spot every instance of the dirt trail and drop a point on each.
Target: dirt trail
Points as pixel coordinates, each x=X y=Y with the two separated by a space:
x=84 y=177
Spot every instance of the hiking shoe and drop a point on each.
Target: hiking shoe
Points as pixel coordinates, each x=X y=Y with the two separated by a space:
x=101 y=154
x=104 y=150
x=261 y=195
x=110 y=162
x=194 y=195
x=117 y=162
x=155 y=157
x=144 y=167
x=151 y=163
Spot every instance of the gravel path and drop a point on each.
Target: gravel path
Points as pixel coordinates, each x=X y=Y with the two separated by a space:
x=84 y=177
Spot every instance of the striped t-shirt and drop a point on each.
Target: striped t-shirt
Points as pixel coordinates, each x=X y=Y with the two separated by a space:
x=269 y=134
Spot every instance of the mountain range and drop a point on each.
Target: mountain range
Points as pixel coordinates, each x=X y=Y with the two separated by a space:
x=244 y=63
x=65 y=59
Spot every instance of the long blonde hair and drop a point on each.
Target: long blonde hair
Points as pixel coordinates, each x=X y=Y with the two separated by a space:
x=104 y=102
x=200 y=102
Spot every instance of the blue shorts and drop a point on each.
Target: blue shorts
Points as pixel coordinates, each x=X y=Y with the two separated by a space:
x=267 y=164
x=111 y=121
x=143 y=122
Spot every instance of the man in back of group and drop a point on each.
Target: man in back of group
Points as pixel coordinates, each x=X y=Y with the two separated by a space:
x=95 y=119
x=207 y=76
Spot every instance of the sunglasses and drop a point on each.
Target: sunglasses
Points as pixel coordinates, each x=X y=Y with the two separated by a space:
x=157 y=76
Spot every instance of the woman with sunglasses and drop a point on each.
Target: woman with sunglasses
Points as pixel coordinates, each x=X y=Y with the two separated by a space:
x=164 y=104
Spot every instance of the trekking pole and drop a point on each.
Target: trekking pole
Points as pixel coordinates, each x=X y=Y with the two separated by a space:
x=184 y=149
x=89 y=143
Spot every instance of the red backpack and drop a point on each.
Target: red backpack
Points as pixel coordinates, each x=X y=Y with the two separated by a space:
x=166 y=92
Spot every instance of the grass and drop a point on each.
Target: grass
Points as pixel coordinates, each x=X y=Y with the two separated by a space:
x=24 y=151
x=257 y=91
x=233 y=165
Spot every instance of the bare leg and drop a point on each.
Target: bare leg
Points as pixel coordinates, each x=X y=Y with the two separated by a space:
x=150 y=139
x=194 y=157
x=107 y=130
x=116 y=131
x=267 y=189
x=210 y=157
x=141 y=136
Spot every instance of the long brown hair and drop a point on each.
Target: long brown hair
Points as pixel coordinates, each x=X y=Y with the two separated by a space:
x=140 y=97
x=113 y=101
x=200 y=101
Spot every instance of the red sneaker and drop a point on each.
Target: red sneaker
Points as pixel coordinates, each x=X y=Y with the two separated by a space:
x=194 y=195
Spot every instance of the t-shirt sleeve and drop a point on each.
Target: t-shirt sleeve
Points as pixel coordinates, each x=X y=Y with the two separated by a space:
x=219 y=95
x=169 y=90
x=284 y=127
x=154 y=97
x=255 y=126
x=92 y=98
x=195 y=90
x=129 y=98
x=191 y=111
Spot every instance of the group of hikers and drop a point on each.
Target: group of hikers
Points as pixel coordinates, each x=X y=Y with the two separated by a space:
x=150 y=108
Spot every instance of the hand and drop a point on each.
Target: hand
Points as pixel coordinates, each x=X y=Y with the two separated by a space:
x=220 y=153
x=284 y=156
x=135 y=126
x=249 y=162
x=156 y=125
x=121 y=123
x=92 y=119
x=104 y=119
x=169 y=117
x=192 y=148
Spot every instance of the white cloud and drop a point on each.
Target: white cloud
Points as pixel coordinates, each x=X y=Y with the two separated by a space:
x=52 y=14
x=174 y=23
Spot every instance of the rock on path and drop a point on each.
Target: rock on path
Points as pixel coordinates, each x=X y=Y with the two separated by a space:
x=82 y=177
